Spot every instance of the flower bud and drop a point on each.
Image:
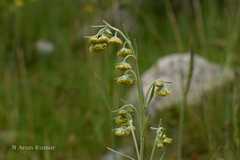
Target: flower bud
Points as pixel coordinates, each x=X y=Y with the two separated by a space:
x=125 y=80
x=123 y=66
x=124 y=52
x=115 y=41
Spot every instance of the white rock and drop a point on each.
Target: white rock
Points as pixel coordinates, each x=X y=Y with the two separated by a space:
x=174 y=68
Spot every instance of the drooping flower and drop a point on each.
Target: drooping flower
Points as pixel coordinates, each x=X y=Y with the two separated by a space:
x=115 y=41
x=161 y=88
x=125 y=79
x=123 y=66
x=123 y=52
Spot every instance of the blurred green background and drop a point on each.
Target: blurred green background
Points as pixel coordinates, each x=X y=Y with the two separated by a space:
x=52 y=92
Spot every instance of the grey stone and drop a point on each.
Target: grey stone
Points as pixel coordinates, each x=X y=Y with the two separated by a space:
x=174 y=68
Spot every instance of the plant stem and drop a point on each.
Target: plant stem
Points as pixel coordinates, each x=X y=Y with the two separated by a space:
x=141 y=109
x=121 y=154
x=162 y=156
x=155 y=140
x=135 y=141
x=120 y=32
x=153 y=149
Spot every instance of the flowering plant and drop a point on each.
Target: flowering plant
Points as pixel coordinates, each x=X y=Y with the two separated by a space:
x=128 y=119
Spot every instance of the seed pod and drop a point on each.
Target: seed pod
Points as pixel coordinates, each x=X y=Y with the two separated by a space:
x=99 y=47
x=124 y=52
x=123 y=66
x=115 y=41
x=125 y=80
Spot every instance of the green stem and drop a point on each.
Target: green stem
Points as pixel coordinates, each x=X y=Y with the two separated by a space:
x=162 y=155
x=141 y=109
x=159 y=129
x=135 y=141
x=119 y=153
x=153 y=149
x=120 y=32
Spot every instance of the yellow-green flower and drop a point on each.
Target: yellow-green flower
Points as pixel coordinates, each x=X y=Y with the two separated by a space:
x=97 y=40
x=103 y=39
x=93 y=39
x=125 y=80
x=162 y=92
x=124 y=52
x=99 y=47
x=163 y=140
x=123 y=66
x=115 y=41
x=167 y=140
x=161 y=88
